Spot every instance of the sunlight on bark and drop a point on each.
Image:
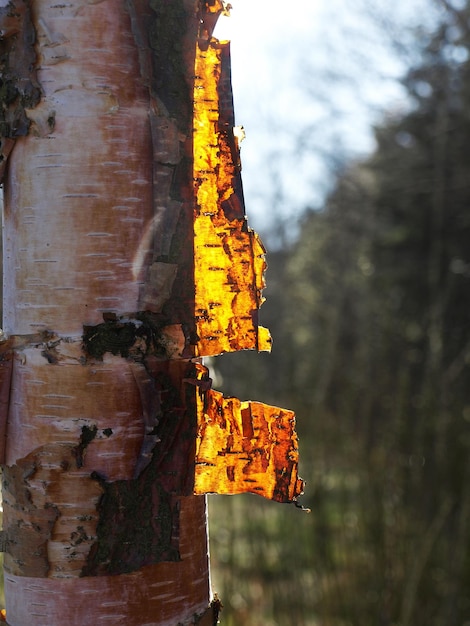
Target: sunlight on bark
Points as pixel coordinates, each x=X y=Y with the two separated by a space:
x=245 y=447
x=229 y=257
x=241 y=446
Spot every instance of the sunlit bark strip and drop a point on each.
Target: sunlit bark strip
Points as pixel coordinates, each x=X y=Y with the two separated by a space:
x=229 y=256
x=245 y=447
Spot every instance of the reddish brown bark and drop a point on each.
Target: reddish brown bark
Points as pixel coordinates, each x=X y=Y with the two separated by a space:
x=83 y=415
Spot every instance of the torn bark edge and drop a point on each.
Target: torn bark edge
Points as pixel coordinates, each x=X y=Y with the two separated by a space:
x=209 y=13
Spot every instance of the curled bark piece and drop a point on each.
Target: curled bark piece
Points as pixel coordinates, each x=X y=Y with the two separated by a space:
x=229 y=258
x=245 y=447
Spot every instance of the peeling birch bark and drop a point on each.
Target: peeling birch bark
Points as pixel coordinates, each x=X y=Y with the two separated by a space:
x=229 y=256
x=246 y=447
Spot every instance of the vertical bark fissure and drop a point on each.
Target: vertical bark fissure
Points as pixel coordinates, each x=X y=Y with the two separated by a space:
x=165 y=35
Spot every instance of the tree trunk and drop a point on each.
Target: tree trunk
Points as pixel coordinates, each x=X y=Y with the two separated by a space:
x=78 y=196
x=121 y=224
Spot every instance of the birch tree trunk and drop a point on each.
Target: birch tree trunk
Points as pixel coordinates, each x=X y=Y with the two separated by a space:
x=80 y=202
x=127 y=256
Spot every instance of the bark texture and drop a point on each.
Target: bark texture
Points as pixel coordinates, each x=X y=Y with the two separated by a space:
x=99 y=522
x=127 y=257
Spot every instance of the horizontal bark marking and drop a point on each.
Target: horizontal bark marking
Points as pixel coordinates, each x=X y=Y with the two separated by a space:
x=157 y=594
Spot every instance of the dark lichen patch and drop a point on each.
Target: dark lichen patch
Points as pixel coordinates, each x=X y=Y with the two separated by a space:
x=87 y=436
x=136 y=528
x=139 y=518
x=111 y=336
x=19 y=88
x=141 y=337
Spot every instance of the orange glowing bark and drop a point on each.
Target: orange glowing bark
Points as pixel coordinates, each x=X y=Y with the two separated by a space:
x=245 y=447
x=241 y=446
x=228 y=256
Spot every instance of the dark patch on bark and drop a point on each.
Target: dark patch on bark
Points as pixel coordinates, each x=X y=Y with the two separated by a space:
x=26 y=543
x=216 y=608
x=136 y=528
x=139 y=519
x=87 y=436
x=51 y=356
x=114 y=337
x=210 y=617
x=19 y=88
x=166 y=34
x=139 y=338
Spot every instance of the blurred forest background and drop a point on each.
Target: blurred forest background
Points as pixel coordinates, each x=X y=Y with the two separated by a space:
x=368 y=301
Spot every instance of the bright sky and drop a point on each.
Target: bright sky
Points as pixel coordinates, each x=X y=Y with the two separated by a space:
x=307 y=81
x=268 y=101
